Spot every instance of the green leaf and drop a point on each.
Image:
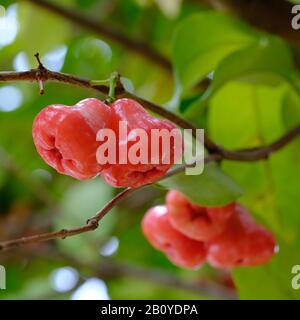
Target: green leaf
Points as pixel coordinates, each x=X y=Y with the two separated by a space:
x=202 y=40
x=268 y=62
x=291 y=109
x=4 y=4
x=253 y=118
x=211 y=188
x=2 y=11
x=256 y=122
x=188 y=102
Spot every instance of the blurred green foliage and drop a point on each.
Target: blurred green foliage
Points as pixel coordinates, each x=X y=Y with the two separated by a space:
x=253 y=98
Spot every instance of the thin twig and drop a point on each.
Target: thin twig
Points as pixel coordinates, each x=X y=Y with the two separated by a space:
x=44 y=74
x=38 y=77
x=103 y=29
x=217 y=152
x=252 y=154
x=40 y=65
x=90 y=225
x=47 y=75
x=93 y=222
x=261 y=153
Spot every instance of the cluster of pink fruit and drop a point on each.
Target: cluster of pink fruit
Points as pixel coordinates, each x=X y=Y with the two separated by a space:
x=187 y=233
x=190 y=234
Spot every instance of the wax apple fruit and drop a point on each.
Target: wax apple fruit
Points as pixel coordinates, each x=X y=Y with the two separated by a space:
x=135 y=117
x=194 y=221
x=243 y=243
x=65 y=137
x=181 y=250
x=229 y=235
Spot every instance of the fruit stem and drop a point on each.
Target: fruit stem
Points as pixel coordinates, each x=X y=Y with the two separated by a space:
x=114 y=78
x=95 y=83
x=112 y=82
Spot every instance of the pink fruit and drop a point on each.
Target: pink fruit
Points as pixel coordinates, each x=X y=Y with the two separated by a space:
x=65 y=137
x=181 y=250
x=137 y=174
x=194 y=221
x=243 y=243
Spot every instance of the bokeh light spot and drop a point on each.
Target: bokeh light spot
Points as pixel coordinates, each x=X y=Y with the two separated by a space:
x=92 y=289
x=110 y=247
x=11 y=98
x=64 y=279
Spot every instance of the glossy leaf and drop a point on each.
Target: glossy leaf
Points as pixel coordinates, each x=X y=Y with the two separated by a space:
x=202 y=41
x=211 y=188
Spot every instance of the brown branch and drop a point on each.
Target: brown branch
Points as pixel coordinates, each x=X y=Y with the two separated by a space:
x=253 y=154
x=217 y=152
x=261 y=153
x=43 y=74
x=47 y=75
x=90 y=225
x=137 y=46
x=181 y=122
x=93 y=222
x=273 y=16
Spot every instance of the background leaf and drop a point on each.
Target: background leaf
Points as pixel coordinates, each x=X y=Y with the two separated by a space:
x=268 y=62
x=270 y=186
x=211 y=188
x=195 y=54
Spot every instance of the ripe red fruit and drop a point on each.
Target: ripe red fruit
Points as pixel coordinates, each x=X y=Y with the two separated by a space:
x=194 y=221
x=181 y=250
x=65 y=137
x=243 y=243
x=135 y=175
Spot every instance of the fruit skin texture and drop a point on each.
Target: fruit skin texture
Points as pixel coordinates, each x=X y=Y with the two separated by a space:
x=182 y=251
x=65 y=137
x=243 y=243
x=194 y=221
x=135 y=175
